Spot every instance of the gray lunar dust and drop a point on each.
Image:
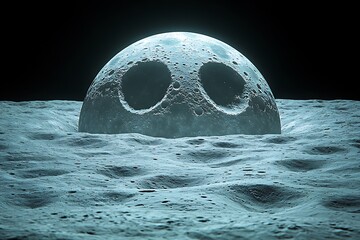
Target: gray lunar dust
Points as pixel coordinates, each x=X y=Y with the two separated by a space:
x=57 y=183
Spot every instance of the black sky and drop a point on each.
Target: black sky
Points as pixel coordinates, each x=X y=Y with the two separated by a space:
x=54 y=51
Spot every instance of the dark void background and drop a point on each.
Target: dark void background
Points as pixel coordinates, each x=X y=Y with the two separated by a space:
x=53 y=51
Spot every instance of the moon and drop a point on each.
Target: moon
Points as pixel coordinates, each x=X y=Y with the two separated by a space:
x=179 y=84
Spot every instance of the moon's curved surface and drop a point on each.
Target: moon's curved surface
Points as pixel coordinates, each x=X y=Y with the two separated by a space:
x=179 y=84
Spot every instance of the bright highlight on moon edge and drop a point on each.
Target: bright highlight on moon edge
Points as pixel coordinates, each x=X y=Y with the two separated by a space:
x=179 y=84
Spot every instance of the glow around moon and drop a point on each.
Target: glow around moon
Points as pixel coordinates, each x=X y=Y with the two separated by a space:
x=179 y=84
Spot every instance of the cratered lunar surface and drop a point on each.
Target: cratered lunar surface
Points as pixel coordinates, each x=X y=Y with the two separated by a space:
x=179 y=84
x=58 y=183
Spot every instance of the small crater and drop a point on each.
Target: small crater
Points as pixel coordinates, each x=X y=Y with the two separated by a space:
x=165 y=182
x=344 y=203
x=197 y=141
x=300 y=165
x=204 y=156
x=114 y=196
x=176 y=85
x=225 y=145
x=86 y=141
x=248 y=169
x=35 y=173
x=43 y=136
x=341 y=108
x=324 y=150
x=147 y=190
x=255 y=197
x=120 y=171
x=33 y=199
x=198 y=111
x=145 y=141
x=3 y=146
x=280 y=139
x=165 y=104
